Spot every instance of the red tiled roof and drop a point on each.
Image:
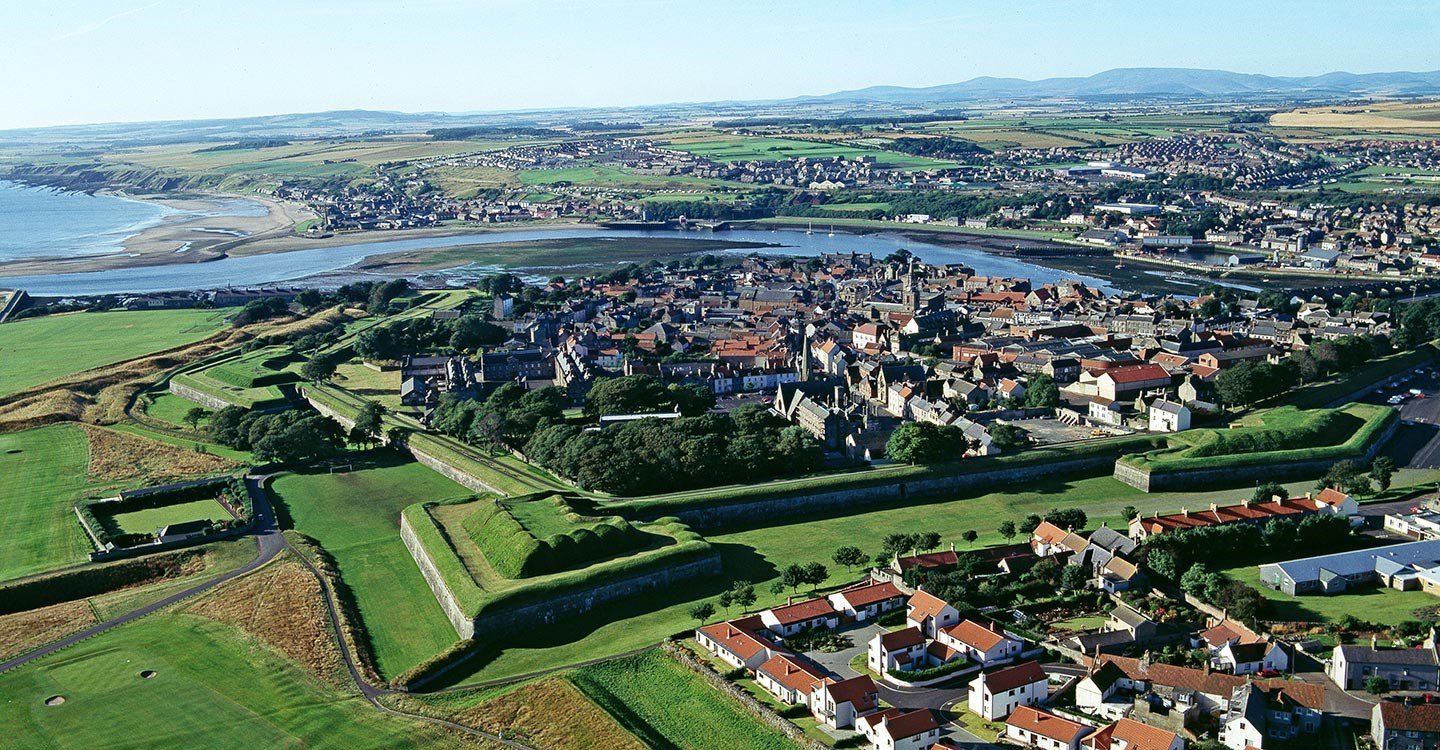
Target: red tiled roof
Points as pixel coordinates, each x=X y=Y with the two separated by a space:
x=1419 y=717
x=1049 y=533
x=1013 y=677
x=1046 y=724
x=911 y=724
x=869 y=593
x=792 y=672
x=974 y=635
x=923 y=605
x=1137 y=373
x=901 y=639
x=1230 y=514
x=802 y=611
x=858 y=691
x=1210 y=683
x=739 y=636
x=930 y=560
x=1133 y=734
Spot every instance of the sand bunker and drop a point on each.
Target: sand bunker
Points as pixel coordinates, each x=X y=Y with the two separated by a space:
x=54 y=700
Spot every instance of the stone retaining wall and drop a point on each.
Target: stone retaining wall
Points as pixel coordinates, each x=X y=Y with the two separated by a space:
x=324 y=410
x=468 y=481
x=204 y=399
x=464 y=626
x=801 y=503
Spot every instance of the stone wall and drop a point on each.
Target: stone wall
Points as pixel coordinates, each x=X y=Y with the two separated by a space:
x=344 y=421
x=1280 y=471
x=461 y=478
x=563 y=606
x=204 y=399
x=463 y=625
x=829 y=501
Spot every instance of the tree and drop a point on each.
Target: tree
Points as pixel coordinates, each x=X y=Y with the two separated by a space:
x=702 y=611
x=1008 y=530
x=970 y=537
x=793 y=575
x=318 y=369
x=1382 y=469
x=370 y=420
x=1073 y=577
x=895 y=543
x=850 y=557
x=195 y=416
x=927 y=541
x=1030 y=523
x=1268 y=491
x=725 y=601
x=1376 y=685
x=1162 y=563
x=1067 y=518
x=777 y=588
x=815 y=574
x=1129 y=512
x=1345 y=476
x=1195 y=580
x=1042 y=393
x=923 y=443
x=1007 y=437
x=742 y=593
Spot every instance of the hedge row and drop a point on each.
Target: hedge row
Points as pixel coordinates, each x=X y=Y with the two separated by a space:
x=69 y=585
x=920 y=675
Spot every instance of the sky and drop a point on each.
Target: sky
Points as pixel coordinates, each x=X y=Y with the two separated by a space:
x=87 y=61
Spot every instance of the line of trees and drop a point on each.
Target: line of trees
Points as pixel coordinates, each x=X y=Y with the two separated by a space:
x=282 y=437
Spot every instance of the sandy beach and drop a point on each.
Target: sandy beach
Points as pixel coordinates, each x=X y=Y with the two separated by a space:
x=190 y=236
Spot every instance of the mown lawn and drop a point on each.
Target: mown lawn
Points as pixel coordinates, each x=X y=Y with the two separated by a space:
x=355 y=516
x=146 y=521
x=42 y=474
x=169 y=408
x=38 y=350
x=668 y=706
x=1384 y=606
x=213 y=688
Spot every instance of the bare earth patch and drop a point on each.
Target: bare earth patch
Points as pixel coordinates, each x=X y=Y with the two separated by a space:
x=551 y=714
x=282 y=606
x=24 y=631
x=117 y=456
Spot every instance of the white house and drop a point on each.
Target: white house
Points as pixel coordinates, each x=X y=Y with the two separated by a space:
x=900 y=650
x=737 y=642
x=1128 y=734
x=1031 y=727
x=930 y=614
x=789 y=678
x=894 y=729
x=811 y=614
x=987 y=645
x=838 y=704
x=867 y=600
x=1247 y=658
x=1168 y=416
x=996 y=694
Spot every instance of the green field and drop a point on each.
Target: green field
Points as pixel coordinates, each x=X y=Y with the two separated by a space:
x=213 y=687
x=38 y=350
x=250 y=380
x=171 y=409
x=355 y=516
x=1377 y=604
x=758 y=554
x=148 y=520
x=42 y=474
x=724 y=149
x=666 y=705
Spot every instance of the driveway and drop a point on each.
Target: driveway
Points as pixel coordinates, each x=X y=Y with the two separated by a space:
x=940 y=699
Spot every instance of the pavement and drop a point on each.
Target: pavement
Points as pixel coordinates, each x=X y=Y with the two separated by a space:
x=1416 y=444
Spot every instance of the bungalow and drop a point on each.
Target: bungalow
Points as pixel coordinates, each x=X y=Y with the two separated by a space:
x=1128 y=734
x=898 y=650
x=838 y=704
x=987 y=645
x=737 y=642
x=996 y=694
x=1246 y=512
x=789 y=678
x=930 y=561
x=1031 y=727
x=894 y=729
x=810 y=614
x=867 y=600
x=930 y=614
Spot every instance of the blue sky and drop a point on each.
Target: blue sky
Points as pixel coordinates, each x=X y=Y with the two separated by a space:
x=82 y=61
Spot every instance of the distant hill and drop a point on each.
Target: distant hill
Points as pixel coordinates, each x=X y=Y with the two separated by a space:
x=1122 y=82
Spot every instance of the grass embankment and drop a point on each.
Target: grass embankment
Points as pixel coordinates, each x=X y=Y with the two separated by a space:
x=38 y=350
x=355 y=517
x=1274 y=436
x=250 y=380
x=212 y=686
x=666 y=705
x=531 y=536
x=42 y=474
x=1319 y=395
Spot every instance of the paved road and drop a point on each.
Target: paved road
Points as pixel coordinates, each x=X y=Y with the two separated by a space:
x=1417 y=443
x=269 y=543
